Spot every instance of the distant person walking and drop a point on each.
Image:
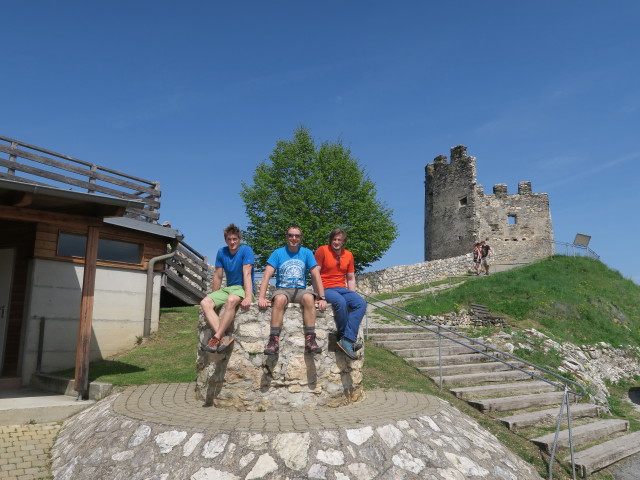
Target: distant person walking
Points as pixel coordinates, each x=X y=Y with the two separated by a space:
x=337 y=271
x=236 y=261
x=477 y=257
x=486 y=254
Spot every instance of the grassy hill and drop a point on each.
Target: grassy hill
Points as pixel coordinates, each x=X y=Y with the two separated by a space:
x=575 y=299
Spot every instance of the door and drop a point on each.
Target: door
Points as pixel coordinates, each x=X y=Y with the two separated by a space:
x=7 y=256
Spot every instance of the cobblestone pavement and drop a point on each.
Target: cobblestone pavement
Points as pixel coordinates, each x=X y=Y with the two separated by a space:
x=24 y=450
x=161 y=432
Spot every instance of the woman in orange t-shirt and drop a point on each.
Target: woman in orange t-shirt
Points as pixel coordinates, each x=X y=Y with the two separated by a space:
x=337 y=271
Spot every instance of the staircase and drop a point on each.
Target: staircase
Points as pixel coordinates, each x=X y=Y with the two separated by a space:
x=510 y=394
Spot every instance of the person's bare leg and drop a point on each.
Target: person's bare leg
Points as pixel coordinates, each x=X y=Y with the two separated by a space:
x=229 y=313
x=308 y=310
x=278 y=306
x=208 y=308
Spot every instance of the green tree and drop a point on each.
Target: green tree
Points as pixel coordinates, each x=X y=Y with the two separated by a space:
x=319 y=189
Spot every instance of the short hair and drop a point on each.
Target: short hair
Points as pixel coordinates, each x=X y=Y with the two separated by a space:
x=335 y=232
x=232 y=230
x=293 y=225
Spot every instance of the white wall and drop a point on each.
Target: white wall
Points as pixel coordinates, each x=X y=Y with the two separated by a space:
x=55 y=292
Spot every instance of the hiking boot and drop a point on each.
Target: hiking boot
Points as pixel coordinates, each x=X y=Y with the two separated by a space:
x=212 y=346
x=357 y=346
x=347 y=347
x=273 y=346
x=225 y=342
x=310 y=345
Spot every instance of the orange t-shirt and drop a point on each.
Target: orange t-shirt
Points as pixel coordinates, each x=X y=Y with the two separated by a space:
x=332 y=271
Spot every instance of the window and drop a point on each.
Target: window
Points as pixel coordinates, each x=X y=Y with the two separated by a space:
x=463 y=202
x=73 y=245
x=513 y=219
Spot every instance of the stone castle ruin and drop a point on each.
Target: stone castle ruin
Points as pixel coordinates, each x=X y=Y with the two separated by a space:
x=458 y=213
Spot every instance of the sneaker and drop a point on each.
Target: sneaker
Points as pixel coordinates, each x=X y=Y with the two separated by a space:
x=273 y=346
x=225 y=342
x=347 y=347
x=212 y=346
x=310 y=345
x=357 y=346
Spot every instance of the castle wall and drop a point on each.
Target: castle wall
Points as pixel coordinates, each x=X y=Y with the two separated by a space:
x=458 y=214
x=450 y=197
x=518 y=226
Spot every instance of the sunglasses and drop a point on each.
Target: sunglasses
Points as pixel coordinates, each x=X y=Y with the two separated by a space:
x=294 y=235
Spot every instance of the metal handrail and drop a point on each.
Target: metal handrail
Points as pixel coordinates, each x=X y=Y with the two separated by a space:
x=409 y=317
x=563 y=385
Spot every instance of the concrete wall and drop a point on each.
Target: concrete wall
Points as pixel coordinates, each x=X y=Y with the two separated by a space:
x=54 y=292
x=458 y=214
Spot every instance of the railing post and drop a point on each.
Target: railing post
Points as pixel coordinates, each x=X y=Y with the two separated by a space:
x=92 y=180
x=440 y=355
x=13 y=158
x=40 y=345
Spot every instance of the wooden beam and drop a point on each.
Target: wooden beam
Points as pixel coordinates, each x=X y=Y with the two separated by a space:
x=81 y=383
x=41 y=216
x=25 y=200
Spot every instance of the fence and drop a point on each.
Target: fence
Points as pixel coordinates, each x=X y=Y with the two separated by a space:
x=24 y=163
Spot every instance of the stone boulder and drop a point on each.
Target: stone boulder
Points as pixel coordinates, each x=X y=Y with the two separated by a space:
x=243 y=378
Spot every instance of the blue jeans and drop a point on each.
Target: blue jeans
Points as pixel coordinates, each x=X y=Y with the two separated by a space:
x=348 y=310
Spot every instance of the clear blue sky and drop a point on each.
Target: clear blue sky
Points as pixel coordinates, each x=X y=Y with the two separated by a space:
x=195 y=95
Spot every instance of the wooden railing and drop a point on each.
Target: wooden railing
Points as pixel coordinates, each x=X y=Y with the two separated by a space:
x=24 y=163
x=187 y=275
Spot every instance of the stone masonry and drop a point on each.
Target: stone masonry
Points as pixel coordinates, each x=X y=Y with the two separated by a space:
x=243 y=379
x=458 y=213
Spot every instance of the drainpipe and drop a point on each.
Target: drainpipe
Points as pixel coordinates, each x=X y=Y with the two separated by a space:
x=146 y=331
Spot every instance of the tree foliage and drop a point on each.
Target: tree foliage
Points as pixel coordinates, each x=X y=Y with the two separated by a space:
x=319 y=189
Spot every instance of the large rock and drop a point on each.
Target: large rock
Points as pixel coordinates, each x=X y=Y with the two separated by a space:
x=243 y=378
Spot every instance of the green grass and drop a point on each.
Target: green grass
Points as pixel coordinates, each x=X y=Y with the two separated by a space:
x=575 y=299
x=166 y=357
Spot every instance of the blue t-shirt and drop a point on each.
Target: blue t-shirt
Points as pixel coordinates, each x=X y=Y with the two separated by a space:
x=292 y=268
x=232 y=264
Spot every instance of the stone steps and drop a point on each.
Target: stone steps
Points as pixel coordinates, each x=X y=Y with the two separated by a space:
x=517 y=402
x=434 y=351
x=474 y=376
x=393 y=329
x=398 y=337
x=548 y=416
x=415 y=342
x=451 y=370
x=448 y=359
x=600 y=456
x=486 y=391
x=469 y=379
x=583 y=434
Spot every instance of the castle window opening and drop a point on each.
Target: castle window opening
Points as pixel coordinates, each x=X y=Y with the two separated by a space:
x=494 y=227
x=463 y=202
x=513 y=219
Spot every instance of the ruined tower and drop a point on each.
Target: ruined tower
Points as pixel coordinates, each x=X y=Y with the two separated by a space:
x=458 y=214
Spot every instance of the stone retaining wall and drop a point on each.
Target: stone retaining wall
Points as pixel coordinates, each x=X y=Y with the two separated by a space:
x=243 y=378
x=394 y=278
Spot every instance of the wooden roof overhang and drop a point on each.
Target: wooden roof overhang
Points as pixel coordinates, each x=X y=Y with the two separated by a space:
x=37 y=203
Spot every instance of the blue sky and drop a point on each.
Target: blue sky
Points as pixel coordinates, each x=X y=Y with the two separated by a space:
x=195 y=94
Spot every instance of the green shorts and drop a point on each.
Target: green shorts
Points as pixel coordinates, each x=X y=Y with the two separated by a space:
x=219 y=297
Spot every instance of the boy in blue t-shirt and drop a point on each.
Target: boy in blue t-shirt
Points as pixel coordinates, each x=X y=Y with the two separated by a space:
x=236 y=261
x=290 y=264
